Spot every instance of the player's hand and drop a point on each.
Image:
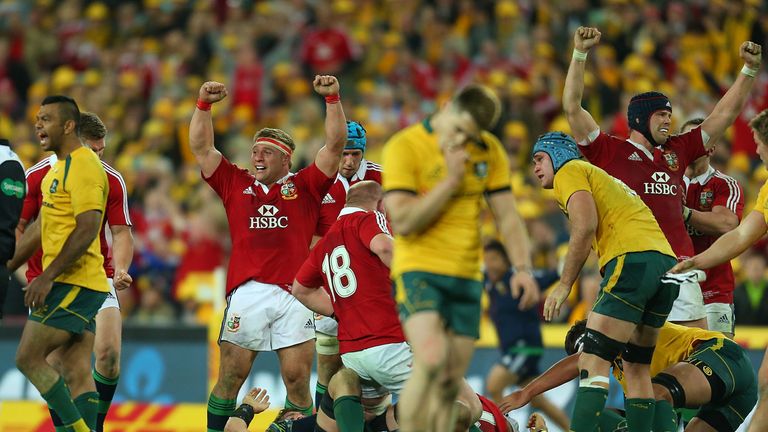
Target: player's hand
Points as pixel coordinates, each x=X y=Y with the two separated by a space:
x=212 y=92
x=530 y=295
x=555 y=300
x=752 y=54
x=36 y=292
x=514 y=400
x=683 y=266
x=536 y=423
x=326 y=85
x=585 y=38
x=456 y=158
x=258 y=399
x=122 y=280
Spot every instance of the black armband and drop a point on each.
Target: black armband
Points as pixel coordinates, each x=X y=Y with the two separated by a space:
x=244 y=413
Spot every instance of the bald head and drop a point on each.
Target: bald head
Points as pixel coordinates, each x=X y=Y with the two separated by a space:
x=365 y=194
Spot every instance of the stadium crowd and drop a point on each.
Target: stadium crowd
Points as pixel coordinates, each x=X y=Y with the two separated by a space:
x=138 y=66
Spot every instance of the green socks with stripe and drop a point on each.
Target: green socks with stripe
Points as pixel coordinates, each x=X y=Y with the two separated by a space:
x=319 y=393
x=640 y=414
x=88 y=405
x=59 y=398
x=349 y=414
x=106 y=388
x=664 y=418
x=219 y=411
x=290 y=406
x=590 y=402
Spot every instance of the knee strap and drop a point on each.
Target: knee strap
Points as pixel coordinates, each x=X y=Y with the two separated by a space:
x=672 y=385
x=598 y=344
x=637 y=354
x=326 y=344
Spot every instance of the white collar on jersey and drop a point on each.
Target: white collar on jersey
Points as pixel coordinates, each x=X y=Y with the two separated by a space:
x=703 y=178
x=641 y=148
x=349 y=210
x=265 y=188
x=359 y=175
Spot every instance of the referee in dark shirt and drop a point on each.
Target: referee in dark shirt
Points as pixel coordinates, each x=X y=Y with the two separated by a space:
x=13 y=187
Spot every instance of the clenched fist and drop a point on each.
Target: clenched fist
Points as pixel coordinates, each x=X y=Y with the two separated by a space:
x=751 y=53
x=585 y=38
x=212 y=92
x=326 y=85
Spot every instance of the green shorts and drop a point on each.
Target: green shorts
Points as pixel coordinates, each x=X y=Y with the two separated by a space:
x=632 y=290
x=725 y=360
x=69 y=307
x=457 y=300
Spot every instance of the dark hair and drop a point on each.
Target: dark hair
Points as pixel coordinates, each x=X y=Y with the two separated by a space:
x=692 y=122
x=68 y=109
x=574 y=337
x=498 y=247
x=481 y=103
x=91 y=126
x=277 y=134
x=759 y=124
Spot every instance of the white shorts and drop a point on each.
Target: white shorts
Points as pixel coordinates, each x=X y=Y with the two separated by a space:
x=721 y=317
x=264 y=317
x=111 y=300
x=326 y=325
x=689 y=305
x=382 y=369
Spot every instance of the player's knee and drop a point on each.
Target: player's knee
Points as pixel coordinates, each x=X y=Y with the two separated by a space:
x=637 y=356
x=108 y=361
x=602 y=346
x=295 y=377
x=431 y=356
x=344 y=382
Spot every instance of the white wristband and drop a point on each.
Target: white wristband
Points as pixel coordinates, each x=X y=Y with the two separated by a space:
x=748 y=71
x=580 y=55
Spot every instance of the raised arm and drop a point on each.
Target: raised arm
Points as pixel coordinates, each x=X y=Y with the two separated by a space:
x=328 y=157
x=581 y=122
x=515 y=238
x=201 y=127
x=557 y=375
x=411 y=213
x=582 y=214
x=732 y=102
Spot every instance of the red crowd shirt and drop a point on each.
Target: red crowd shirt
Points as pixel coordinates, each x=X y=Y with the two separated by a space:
x=657 y=177
x=271 y=228
x=334 y=200
x=705 y=192
x=491 y=420
x=356 y=280
x=116 y=212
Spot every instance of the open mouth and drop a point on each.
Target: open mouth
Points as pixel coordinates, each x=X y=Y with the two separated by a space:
x=43 y=137
x=260 y=168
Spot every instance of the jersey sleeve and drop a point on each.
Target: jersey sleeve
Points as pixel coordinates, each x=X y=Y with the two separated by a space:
x=33 y=198
x=498 y=170
x=571 y=178
x=600 y=151
x=316 y=180
x=730 y=195
x=373 y=224
x=761 y=199
x=222 y=179
x=117 y=200
x=310 y=274
x=690 y=145
x=399 y=163
x=87 y=184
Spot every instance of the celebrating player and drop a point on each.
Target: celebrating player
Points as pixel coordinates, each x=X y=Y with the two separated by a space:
x=652 y=161
x=272 y=216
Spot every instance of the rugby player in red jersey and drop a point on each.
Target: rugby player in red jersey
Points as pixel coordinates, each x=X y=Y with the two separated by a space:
x=272 y=216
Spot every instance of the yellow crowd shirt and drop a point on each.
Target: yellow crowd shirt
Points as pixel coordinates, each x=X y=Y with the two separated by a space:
x=675 y=344
x=450 y=246
x=761 y=205
x=72 y=186
x=625 y=224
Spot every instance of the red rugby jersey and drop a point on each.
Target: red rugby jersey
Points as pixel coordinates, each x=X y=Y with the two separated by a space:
x=705 y=192
x=356 y=279
x=656 y=176
x=116 y=212
x=491 y=420
x=334 y=200
x=271 y=228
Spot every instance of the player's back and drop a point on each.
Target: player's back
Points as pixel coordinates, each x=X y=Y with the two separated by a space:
x=358 y=281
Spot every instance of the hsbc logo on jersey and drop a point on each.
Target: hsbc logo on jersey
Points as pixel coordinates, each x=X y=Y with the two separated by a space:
x=660 y=186
x=269 y=218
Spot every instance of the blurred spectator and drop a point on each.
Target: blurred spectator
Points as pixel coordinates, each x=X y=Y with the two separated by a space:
x=153 y=308
x=750 y=299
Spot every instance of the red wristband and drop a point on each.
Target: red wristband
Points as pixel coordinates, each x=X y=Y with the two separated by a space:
x=203 y=105
x=332 y=99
